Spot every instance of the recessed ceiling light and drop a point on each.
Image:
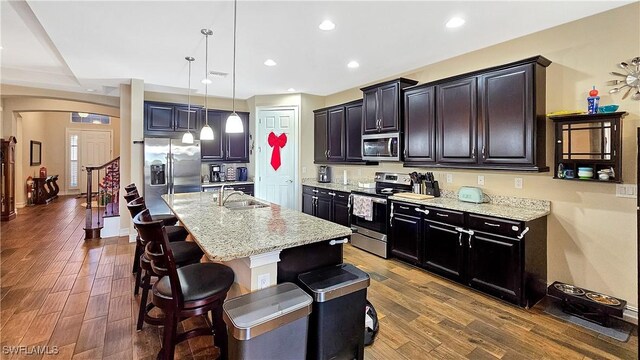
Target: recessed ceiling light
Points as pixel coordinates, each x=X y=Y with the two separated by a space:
x=206 y=81
x=291 y=90
x=91 y=90
x=353 y=65
x=455 y=22
x=270 y=62
x=327 y=25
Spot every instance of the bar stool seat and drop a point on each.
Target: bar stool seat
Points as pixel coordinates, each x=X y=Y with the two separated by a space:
x=176 y=233
x=198 y=281
x=186 y=252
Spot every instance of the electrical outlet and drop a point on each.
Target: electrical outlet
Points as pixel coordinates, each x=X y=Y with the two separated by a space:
x=626 y=190
x=480 y=180
x=304 y=169
x=449 y=178
x=518 y=183
x=264 y=280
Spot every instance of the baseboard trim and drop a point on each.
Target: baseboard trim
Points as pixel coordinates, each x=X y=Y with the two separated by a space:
x=630 y=314
x=20 y=205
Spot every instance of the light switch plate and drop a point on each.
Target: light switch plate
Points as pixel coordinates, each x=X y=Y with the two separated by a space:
x=449 y=178
x=480 y=180
x=304 y=169
x=626 y=190
x=518 y=183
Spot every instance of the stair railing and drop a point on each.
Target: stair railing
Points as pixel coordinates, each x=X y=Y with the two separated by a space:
x=107 y=198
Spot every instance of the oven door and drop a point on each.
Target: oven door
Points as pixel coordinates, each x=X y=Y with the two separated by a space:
x=379 y=221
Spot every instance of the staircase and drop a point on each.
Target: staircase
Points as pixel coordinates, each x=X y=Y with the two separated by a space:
x=104 y=218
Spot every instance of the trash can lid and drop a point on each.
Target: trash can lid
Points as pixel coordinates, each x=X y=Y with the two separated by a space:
x=334 y=281
x=253 y=314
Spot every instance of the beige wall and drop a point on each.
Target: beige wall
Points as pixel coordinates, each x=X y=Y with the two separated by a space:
x=50 y=128
x=591 y=232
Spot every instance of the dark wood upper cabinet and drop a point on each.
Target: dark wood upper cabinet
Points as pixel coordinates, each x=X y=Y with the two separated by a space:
x=336 y=134
x=353 y=125
x=237 y=149
x=158 y=117
x=492 y=118
x=320 y=135
x=507 y=119
x=419 y=125
x=214 y=149
x=181 y=119
x=370 y=111
x=456 y=121
x=382 y=108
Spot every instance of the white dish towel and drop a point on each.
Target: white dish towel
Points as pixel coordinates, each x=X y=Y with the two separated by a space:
x=363 y=207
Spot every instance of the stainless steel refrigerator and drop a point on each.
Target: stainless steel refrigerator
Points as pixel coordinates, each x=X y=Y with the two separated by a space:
x=170 y=167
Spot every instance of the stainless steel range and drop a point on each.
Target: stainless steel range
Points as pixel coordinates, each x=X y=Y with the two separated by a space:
x=370 y=232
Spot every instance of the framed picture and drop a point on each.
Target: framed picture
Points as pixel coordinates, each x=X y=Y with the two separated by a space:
x=36 y=153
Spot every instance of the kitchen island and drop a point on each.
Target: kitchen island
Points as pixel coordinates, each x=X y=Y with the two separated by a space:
x=263 y=245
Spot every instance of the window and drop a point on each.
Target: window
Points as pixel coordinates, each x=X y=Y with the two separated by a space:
x=73 y=161
x=86 y=118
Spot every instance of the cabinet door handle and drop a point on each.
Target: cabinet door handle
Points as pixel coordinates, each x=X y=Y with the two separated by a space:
x=328 y=153
x=405 y=152
x=403 y=207
x=526 y=230
x=315 y=191
x=473 y=154
x=483 y=154
x=338 y=242
x=442 y=215
x=491 y=224
x=460 y=239
x=426 y=212
x=332 y=194
x=470 y=235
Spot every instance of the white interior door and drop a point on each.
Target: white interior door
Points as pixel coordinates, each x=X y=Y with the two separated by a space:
x=95 y=150
x=277 y=186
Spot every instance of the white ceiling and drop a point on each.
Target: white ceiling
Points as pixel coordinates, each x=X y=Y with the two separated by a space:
x=77 y=45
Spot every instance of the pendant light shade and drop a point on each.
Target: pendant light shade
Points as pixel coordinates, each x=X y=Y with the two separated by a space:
x=234 y=123
x=207 y=132
x=187 y=138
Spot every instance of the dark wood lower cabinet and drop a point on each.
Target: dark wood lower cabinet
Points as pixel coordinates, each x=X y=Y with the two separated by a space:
x=486 y=253
x=323 y=208
x=444 y=250
x=308 y=204
x=326 y=204
x=495 y=265
x=340 y=212
x=407 y=238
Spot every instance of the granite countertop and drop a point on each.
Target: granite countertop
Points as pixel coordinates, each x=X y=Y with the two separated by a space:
x=225 y=183
x=225 y=234
x=330 y=186
x=501 y=206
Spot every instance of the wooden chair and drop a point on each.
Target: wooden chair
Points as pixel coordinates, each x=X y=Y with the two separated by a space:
x=131 y=192
x=186 y=253
x=184 y=292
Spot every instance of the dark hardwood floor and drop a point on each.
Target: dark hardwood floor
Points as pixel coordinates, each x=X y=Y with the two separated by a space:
x=58 y=290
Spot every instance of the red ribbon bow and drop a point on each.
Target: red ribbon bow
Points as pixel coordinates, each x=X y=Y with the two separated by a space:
x=276 y=142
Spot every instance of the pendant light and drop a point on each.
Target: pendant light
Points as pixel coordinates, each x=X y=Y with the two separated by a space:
x=187 y=138
x=206 y=133
x=234 y=123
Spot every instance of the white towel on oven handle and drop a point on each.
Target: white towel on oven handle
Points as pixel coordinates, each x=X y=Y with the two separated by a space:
x=363 y=207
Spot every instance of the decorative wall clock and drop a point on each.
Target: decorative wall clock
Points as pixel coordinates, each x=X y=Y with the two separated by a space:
x=630 y=81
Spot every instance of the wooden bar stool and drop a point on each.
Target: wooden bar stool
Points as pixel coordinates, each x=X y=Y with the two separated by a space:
x=185 y=252
x=132 y=193
x=186 y=291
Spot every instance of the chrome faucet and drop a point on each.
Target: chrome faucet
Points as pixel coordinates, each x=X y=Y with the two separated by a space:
x=222 y=200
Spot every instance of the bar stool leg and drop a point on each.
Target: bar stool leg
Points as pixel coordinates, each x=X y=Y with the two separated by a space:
x=219 y=331
x=146 y=280
x=169 y=336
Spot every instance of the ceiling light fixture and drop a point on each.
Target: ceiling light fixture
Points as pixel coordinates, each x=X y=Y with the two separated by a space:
x=206 y=133
x=353 y=65
x=234 y=123
x=455 y=22
x=327 y=25
x=187 y=138
x=269 y=62
x=291 y=90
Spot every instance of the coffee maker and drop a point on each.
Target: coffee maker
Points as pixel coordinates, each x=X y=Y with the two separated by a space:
x=214 y=173
x=324 y=174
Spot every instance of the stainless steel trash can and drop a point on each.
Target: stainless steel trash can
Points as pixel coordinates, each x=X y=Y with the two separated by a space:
x=336 y=327
x=268 y=324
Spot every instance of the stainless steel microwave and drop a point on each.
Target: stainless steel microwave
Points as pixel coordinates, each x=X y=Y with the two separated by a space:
x=381 y=147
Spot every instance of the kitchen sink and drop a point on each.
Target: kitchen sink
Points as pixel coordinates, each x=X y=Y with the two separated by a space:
x=244 y=205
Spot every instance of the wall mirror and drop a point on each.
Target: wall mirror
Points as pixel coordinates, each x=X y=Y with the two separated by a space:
x=36 y=153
